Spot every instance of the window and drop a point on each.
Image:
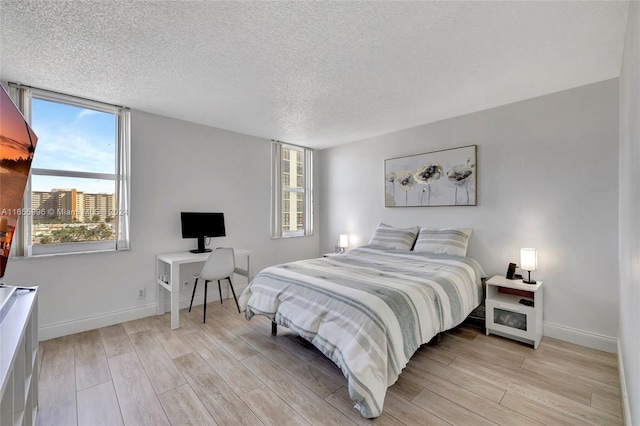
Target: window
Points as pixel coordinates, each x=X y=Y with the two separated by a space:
x=78 y=193
x=291 y=198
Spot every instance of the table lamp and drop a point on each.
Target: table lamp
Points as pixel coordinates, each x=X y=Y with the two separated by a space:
x=529 y=262
x=344 y=242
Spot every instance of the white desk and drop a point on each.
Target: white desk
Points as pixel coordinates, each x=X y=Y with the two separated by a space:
x=169 y=264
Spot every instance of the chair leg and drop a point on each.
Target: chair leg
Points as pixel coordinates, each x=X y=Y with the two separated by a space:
x=234 y=294
x=220 y=292
x=193 y=294
x=204 y=316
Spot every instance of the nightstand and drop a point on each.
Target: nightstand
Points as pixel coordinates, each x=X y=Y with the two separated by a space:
x=507 y=317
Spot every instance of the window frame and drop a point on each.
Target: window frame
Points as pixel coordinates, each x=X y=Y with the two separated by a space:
x=278 y=190
x=23 y=96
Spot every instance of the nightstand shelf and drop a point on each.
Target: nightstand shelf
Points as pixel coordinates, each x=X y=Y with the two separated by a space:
x=507 y=317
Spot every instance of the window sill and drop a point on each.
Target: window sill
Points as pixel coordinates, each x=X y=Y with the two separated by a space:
x=67 y=253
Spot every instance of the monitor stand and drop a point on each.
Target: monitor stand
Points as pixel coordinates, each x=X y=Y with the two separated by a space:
x=200 y=248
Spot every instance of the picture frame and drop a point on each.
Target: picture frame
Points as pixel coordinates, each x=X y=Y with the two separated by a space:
x=439 y=178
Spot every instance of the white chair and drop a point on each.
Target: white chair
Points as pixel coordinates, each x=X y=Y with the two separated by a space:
x=219 y=266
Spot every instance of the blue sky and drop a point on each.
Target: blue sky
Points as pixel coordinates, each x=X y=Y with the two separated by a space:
x=72 y=138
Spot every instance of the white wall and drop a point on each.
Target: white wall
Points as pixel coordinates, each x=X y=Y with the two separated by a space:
x=547 y=178
x=629 y=217
x=176 y=166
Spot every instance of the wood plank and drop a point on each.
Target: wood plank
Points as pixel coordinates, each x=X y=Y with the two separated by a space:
x=174 y=343
x=115 y=340
x=448 y=410
x=405 y=388
x=467 y=399
x=217 y=396
x=342 y=402
x=409 y=413
x=138 y=401
x=571 y=349
x=57 y=384
x=313 y=408
x=189 y=321
x=603 y=379
x=91 y=363
x=436 y=354
x=227 y=315
x=322 y=380
x=466 y=348
x=136 y=326
x=599 y=368
x=540 y=412
x=607 y=404
x=228 y=340
x=271 y=409
x=183 y=407
x=237 y=376
x=503 y=376
x=289 y=341
x=98 y=406
x=486 y=389
x=583 y=413
x=160 y=369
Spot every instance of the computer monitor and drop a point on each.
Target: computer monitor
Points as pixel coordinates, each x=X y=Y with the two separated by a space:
x=201 y=225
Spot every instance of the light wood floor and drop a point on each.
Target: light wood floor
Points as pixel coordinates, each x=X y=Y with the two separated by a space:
x=230 y=371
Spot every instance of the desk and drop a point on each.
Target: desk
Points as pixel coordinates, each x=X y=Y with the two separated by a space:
x=169 y=264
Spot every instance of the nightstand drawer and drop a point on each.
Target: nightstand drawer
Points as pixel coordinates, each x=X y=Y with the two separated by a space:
x=515 y=319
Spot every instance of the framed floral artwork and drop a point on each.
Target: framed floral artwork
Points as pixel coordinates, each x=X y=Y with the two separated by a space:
x=440 y=178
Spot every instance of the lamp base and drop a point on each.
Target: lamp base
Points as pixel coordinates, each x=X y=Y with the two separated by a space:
x=528 y=280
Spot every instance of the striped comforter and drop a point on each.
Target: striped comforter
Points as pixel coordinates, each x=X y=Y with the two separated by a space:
x=368 y=310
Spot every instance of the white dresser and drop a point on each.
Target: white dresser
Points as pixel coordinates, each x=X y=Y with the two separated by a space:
x=18 y=355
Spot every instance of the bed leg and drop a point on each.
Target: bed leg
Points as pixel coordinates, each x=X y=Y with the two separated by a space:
x=274 y=328
x=435 y=339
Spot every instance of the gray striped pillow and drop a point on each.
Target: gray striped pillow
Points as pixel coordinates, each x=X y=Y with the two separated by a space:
x=397 y=238
x=443 y=241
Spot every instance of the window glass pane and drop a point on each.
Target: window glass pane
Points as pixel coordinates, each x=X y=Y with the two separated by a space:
x=300 y=210
x=292 y=209
x=73 y=138
x=290 y=162
x=68 y=210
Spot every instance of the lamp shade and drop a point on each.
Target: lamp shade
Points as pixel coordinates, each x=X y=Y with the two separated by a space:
x=344 y=240
x=529 y=259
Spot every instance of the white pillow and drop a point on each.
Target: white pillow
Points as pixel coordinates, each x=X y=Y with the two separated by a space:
x=443 y=241
x=397 y=238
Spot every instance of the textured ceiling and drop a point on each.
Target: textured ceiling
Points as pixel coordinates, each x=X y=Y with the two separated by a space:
x=316 y=74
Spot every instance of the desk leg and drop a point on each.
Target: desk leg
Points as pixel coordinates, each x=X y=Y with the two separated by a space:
x=159 y=292
x=160 y=300
x=175 y=296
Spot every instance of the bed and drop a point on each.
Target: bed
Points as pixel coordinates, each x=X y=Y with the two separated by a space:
x=368 y=310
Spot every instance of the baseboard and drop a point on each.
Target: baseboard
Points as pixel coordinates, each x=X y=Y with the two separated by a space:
x=626 y=408
x=581 y=337
x=51 y=331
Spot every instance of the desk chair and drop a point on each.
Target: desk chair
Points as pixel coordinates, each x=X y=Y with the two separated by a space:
x=219 y=266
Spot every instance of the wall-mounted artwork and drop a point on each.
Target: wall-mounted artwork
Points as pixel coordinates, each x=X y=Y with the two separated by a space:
x=440 y=178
